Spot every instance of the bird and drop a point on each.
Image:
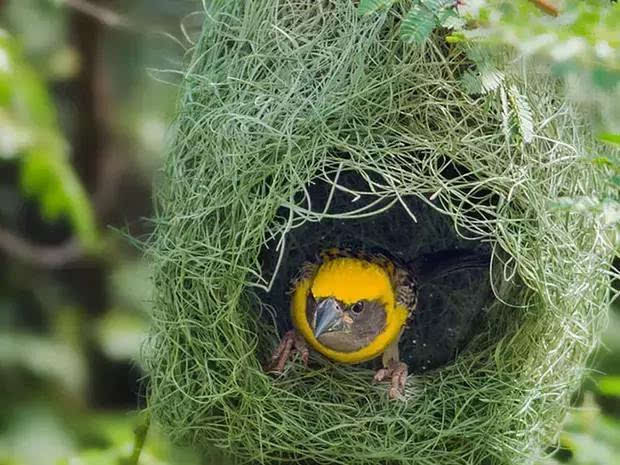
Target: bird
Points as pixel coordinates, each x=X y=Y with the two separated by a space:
x=352 y=306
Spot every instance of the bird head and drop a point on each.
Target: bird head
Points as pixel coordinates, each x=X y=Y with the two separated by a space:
x=347 y=327
x=349 y=304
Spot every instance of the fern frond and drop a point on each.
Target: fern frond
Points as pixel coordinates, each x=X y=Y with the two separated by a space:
x=424 y=17
x=491 y=79
x=418 y=24
x=523 y=113
x=505 y=112
x=486 y=80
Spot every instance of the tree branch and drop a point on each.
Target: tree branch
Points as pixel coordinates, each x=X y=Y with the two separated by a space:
x=139 y=440
x=547 y=6
x=44 y=256
x=101 y=14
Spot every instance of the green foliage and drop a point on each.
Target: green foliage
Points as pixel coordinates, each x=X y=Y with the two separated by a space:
x=30 y=135
x=87 y=438
x=605 y=208
x=581 y=44
x=522 y=113
x=418 y=24
x=502 y=89
x=120 y=334
x=483 y=80
x=590 y=437
x=423 y=18
x=47 y=358
x=63 y=359
x=610 y=138
x=609 y=386
x=582 y=38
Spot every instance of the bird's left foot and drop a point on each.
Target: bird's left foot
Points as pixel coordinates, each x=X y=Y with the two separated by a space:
x=397 y=372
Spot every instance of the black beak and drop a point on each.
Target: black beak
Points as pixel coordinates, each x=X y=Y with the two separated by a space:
x=329 y=317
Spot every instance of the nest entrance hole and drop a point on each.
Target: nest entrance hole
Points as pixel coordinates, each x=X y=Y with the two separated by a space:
x=450 y=308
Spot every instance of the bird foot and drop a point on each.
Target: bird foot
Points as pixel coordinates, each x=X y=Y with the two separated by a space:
x=292 y=342
x=397 y=372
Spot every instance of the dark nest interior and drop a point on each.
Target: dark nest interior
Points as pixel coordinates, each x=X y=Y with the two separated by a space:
x=450 y=306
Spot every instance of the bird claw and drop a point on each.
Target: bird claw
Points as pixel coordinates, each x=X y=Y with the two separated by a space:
x=397 y=372
x=290 y=344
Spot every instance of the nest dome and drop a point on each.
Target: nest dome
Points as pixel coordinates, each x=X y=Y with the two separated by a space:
x=281 y=98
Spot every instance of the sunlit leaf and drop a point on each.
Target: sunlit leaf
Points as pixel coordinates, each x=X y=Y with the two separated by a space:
x=609 y=386
x=610 y=138
x=590 y=436
x=609 y=160
x=14 y=138
x=47 y=175
x=29 y=134
x=120 y=334
x=46 y=358
x=453 y=21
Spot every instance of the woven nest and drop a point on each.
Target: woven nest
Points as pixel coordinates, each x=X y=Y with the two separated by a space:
x=292 y=110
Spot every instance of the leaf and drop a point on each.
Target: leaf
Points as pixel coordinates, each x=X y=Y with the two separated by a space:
x=505 y=112
x=453 y=21
x=610 y=138
x=486 y=80
x=47 y=175
x=120 y=334
x=610 y=386
x=371 y=6
x=14 y=138
x=523 y=113
x=610 y=160
x=491 y=79
x=52 y=360
x=38 y=145
x=34 y=422
x=438 y=6
x=418 y=25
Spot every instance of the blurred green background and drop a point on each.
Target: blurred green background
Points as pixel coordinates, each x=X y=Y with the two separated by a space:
x=87 y=91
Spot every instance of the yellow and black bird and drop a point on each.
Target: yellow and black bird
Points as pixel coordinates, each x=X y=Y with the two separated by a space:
x=353 y=307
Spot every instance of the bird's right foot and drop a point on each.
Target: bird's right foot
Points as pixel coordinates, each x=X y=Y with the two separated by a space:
x=292 y=342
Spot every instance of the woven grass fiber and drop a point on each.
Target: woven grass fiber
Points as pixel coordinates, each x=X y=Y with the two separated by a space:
x=281 y=93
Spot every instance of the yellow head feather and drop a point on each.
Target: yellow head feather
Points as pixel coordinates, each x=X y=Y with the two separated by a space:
x=350 y=280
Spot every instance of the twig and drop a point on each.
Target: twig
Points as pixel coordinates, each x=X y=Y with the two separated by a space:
x=139 y=440
x=101 y=14
x=547 y=6
x=40 y=255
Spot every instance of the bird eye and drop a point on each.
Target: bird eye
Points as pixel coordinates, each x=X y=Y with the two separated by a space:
x=357 y=308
